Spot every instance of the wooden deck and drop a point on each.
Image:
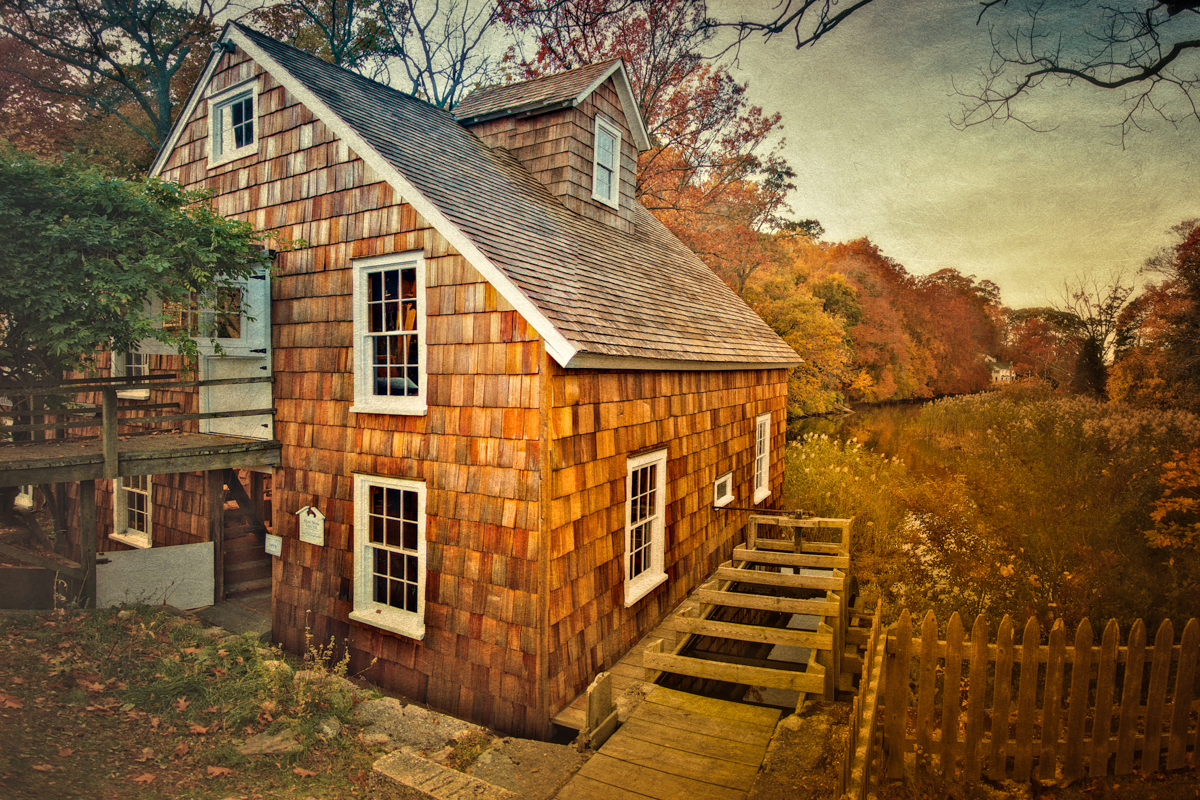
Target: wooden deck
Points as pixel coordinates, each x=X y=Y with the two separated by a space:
x=678 y=746
x=59 y=461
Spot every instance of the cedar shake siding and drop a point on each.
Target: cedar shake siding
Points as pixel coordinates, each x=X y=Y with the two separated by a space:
x=705 y=420
x=476 y=448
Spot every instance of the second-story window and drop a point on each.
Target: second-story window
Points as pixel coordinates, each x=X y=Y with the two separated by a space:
x=389 y=334
x=606 y=174
x=232 y=121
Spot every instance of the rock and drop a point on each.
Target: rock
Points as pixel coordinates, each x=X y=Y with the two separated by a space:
x=411 y=725
x=213 y=632
x=125 y=614
x=329 y=727
x=266 y=744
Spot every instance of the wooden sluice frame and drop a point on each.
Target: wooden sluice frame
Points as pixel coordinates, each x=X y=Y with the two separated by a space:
x=827 y=644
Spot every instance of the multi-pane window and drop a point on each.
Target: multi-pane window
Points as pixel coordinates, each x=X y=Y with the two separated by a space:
x=389 y=530
x=201 y=316
x=232 y=120
x=606 y=174
x=133 y=510
x=389 y=325
x=131 y=365
x=762 y=457
x=645 y=528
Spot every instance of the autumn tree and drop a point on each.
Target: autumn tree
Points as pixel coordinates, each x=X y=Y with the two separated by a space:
x=436 y=51
x=1041 y=343
x=1095 y=307
x=133 y=60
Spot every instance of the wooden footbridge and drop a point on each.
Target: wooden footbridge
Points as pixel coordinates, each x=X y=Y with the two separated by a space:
x=771 y=628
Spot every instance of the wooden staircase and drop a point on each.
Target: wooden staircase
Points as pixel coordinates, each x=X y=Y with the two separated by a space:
x=247 y=565
x=749 y=607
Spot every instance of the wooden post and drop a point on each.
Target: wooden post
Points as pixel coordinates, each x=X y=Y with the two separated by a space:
x=87 y=541
x=1106 y=674
x=601 y=713
x=215 y=497
x=1131 y=698
x=951 y=696
x=1182 y=703
x=1001 y=701
x=1081 y=671
x=895 y=680
x=108 y=432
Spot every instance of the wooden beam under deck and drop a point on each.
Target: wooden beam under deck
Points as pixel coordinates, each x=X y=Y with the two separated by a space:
x=64 y=461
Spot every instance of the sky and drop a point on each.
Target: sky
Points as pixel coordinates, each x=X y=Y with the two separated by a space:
x=866 y=118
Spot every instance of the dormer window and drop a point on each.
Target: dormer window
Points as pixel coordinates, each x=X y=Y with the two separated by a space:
x=232 y=129
x=606 y=171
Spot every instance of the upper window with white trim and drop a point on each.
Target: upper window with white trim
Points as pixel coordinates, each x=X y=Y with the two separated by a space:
x=389 y=334
x=645 y=524
x=232 y=123
x=723 y=490
x=762 y=457
x=389 y=554
x=233 y=321
x=606 y=165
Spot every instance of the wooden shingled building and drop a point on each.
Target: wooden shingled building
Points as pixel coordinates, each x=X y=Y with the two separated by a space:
x=532 y=419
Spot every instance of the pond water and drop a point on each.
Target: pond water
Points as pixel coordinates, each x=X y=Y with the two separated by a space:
x=889 y=430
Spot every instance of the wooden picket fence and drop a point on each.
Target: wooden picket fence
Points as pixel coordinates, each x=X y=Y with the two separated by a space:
x=1030 y=710
x=856 y=775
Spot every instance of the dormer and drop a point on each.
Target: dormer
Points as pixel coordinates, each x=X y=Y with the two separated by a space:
x=579 y=132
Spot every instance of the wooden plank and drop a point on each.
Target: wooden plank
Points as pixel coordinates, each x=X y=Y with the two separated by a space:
x=754 y=633
x=734 y=673
x=1131 y=698
x=664 y=758
x=765 y=718
x=72 y=570
x=733 y=732
x=1160 y=666
x=789 y=581
x=87 y=541
x=617 y=773
x=788 y=605
x=976 y=690
x=1185 y=679
x=951 y=696
x=1073 y=756
x=1052 y=703
x=896 y=672
x=108 y=433
x=723 y=748
x=1001 y=701
x=926 y=688
x=1106 y=676
x=581 y=787
x=790 y=559
x=1026 y=702
x=214 y=498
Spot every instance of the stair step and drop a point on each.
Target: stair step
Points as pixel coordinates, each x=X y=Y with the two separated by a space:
x=243 y=587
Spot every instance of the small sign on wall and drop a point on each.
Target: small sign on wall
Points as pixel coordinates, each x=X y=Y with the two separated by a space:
x=312 y=525
x=274 y=545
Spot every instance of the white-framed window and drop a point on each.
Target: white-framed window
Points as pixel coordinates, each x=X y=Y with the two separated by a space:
x=133 y=510
x=131 y=365
x=606 y=163
x=762 y=457
x=232 y=123
x=234 y=322
x=389 y=554
x=645 y=524
x=389 y=334
x=24 y=498
x=723 y=490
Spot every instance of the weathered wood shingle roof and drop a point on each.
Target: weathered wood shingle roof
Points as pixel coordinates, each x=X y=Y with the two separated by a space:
x=608 y=296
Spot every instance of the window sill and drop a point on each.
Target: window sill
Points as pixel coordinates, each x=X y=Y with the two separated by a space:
x=133 y=541
x=134 y=394
x=413 y=410
x=641 y=586
x=225 y=158
x=760 y=495
x=407 y=625
x=724 y=501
